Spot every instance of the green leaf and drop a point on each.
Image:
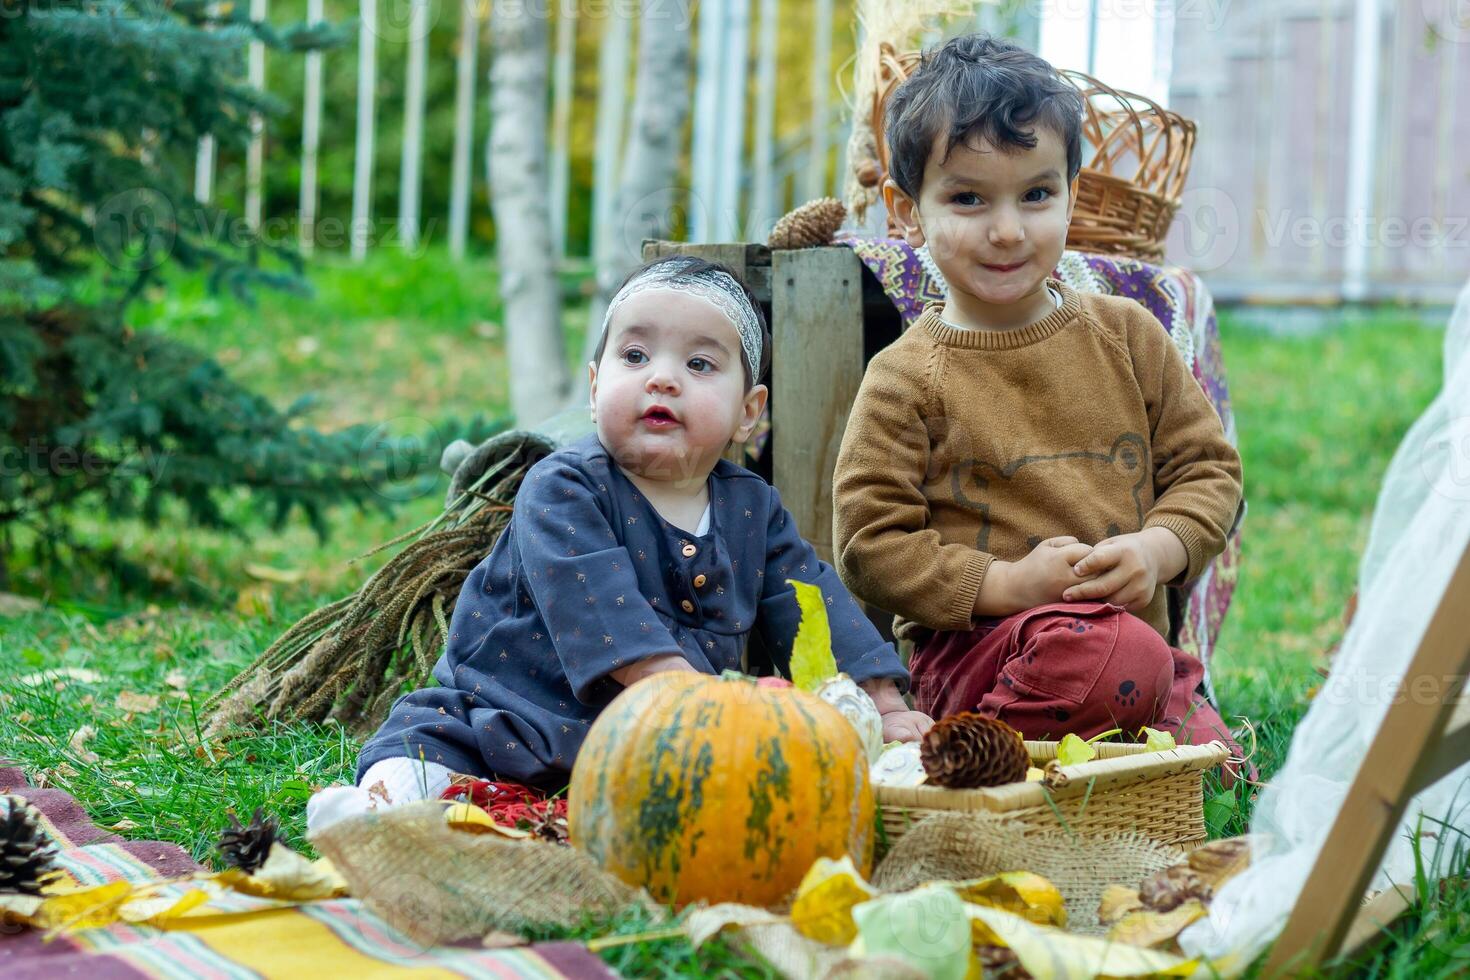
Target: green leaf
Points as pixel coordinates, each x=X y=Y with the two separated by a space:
x=1159 y=741
x=811 y=654
x=1218 y=811
x=1073 y=750
x=890 y=925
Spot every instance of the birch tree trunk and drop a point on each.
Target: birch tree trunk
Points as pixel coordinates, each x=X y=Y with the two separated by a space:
x=647 y=194
x=519 y=195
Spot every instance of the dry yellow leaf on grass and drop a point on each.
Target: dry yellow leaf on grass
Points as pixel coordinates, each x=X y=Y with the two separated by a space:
x=1021 y=892
x=255 y=601
x=80 y=674
x=78 y=745
x=287 y=876
x=283 y=576
x=136 y=703
x=824 y=901
x=1046 y=951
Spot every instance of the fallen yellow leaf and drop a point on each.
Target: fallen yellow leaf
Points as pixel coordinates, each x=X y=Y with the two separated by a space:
x=255 y=601
x=283 y=576
x=1158 y=741
x=891 y=926
x=159 y=909
x=287 y=876
x=78 y=745
x=19 y=908
x=824 y=901
x=81 y=674
x=472 y=819
x=811 y=652
x=1046 y=951
x=1147 y=928
x=1022 y=892
x=1117 y=901
x=1073 y=751
x=87 y=908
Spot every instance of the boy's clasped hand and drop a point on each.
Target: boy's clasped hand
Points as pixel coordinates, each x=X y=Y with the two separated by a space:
x=1124 y=570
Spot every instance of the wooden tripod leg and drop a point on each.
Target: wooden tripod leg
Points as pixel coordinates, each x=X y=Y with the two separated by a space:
x=1407 y=753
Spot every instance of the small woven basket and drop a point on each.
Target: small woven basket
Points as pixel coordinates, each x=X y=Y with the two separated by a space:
x=1136 y=157
x=1125 y=788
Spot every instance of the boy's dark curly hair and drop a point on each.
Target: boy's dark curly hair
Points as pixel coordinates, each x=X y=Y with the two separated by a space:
x=697 y=267
x=978 y=85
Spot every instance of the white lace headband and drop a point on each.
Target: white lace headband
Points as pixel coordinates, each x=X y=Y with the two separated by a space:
x=717 y=288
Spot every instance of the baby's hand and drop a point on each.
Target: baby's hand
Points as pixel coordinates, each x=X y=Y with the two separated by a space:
x=1039 y=578
x=899 y=723
x=1125 y=570
x=905 y=726
x=635 y=672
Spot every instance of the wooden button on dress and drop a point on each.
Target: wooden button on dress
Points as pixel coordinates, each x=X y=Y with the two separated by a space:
x=687 y=606
x=690 y=551
x=699 y=581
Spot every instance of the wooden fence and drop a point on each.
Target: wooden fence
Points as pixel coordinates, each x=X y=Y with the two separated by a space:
x=1333 y=159
x=745 y=166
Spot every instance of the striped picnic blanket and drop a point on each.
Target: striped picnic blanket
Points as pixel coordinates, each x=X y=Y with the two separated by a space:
x=238 y=936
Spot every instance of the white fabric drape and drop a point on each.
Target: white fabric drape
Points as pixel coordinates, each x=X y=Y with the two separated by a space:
x=1420 y=528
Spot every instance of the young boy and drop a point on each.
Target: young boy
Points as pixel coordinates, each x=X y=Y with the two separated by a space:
x=1027 y=468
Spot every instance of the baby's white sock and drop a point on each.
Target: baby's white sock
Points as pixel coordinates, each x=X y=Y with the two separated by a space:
x=387 y=782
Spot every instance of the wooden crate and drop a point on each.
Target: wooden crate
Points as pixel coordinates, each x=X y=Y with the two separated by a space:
x=1125 y=788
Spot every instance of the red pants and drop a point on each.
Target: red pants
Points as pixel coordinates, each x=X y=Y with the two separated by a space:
x=1080 y=667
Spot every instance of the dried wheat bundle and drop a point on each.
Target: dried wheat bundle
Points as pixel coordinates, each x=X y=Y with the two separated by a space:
x=898 y=25
x=351 y=658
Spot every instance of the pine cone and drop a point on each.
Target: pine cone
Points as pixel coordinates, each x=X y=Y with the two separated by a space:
x=247 y=847
x=969 y=750
x=27 y=854
x=812 y=224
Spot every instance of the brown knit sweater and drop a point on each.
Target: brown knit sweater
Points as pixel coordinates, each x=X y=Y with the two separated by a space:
x=967 y=445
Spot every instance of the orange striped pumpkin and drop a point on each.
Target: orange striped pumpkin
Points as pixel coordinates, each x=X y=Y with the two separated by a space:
x=715 y=789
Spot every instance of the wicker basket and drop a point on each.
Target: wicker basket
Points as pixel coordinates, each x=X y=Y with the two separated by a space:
x=1127 y=787
x=1136 y=157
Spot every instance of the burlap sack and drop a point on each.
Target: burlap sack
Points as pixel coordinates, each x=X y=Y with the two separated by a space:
x=958 y=846
x=439 y=885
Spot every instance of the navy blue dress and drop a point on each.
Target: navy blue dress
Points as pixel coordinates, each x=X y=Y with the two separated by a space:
x=588 y=578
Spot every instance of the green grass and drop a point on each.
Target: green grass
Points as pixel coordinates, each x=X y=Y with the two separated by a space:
x=414 y=342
